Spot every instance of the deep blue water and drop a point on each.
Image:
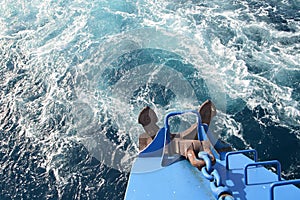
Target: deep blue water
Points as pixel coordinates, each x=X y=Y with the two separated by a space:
x=75 y=74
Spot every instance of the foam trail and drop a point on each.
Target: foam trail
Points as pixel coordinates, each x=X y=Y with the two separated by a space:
x=71 y=85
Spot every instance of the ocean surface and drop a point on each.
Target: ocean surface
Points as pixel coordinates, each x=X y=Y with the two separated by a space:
x=75 y=74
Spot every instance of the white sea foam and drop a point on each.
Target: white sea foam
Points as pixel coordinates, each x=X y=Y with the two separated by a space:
x=54 y=53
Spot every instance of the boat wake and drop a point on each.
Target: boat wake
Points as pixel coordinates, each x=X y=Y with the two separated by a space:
x=74 y=76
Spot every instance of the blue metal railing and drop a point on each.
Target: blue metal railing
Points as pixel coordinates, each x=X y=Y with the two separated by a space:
x=239 y=152
x=281 y=183
x=271 y=162
x=201 y=132
x=277 y=183
x=163 y=136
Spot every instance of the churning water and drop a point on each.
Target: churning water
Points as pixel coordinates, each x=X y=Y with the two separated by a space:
x=74 y=75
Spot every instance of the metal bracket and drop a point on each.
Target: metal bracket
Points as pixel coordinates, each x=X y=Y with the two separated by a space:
x=281 y=183
x=271 y=162
x=239 y=152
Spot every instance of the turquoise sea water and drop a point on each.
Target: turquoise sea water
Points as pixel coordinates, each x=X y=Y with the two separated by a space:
x=75 y=74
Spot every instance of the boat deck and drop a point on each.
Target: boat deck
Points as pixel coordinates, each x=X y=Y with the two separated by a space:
x=180 y=180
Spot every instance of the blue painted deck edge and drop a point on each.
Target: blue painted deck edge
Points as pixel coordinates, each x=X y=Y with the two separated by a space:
x=182 y=181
